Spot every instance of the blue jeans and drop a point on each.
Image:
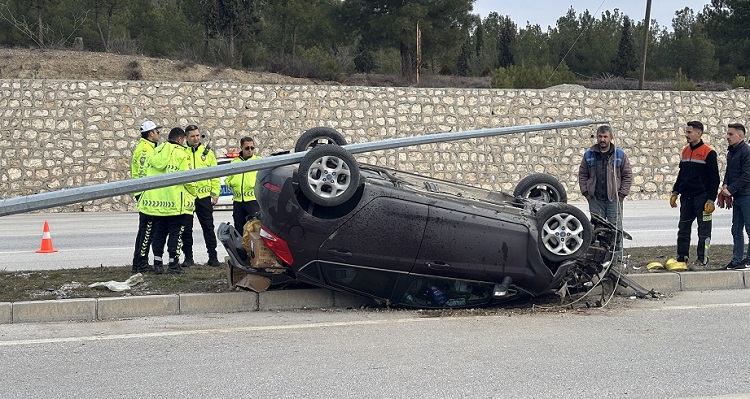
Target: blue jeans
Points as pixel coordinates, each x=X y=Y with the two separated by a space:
x=610 y=210
x=740 y=222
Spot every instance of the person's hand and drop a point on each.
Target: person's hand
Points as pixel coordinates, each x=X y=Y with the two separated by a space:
x=214 y=201
x=720 y=201
x=673 y=200
x=709 y=207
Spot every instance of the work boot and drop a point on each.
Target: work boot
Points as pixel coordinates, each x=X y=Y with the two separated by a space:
x=213 y=261
x=158 y=267
x=174 y=268
x=188 y=261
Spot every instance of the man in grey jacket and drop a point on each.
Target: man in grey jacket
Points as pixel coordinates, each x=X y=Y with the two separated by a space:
x=604 y=178
x=737 y=185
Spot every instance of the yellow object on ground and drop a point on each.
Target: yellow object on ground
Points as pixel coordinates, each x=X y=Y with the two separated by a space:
x=655 y=267
x=676 y=266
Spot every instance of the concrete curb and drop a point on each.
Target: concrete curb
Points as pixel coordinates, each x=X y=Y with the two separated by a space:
x=88 y=309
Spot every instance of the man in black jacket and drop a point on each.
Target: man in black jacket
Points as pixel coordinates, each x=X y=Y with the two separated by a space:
x=697 y=184
x=737 y=185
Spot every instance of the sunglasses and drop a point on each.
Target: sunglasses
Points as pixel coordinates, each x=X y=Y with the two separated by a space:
x=249 y=148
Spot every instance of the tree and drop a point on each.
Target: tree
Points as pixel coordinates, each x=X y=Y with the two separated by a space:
x=462 y=63
x=626 y=60
x=725 y=23
x=392 y=24
x=47 y=23
x=230 y=20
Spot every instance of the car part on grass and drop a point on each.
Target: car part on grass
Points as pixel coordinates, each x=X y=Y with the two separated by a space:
x=311 y=138
x=541 y=187
x=328 y=175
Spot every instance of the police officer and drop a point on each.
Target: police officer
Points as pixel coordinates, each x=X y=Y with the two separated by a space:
x=146 y=145
x=244 y=205
x=169 y=206
x=201 y=156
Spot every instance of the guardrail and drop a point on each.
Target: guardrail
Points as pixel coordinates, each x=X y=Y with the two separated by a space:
x=87 y=193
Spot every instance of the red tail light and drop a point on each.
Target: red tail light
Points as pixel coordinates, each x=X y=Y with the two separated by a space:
x=277 y=245
x=271 y=187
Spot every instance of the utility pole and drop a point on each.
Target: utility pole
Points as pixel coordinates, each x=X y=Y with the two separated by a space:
x=646 y=26
x=419 y=51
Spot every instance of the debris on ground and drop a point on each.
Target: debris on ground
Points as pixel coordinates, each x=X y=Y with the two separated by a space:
x=120 y=285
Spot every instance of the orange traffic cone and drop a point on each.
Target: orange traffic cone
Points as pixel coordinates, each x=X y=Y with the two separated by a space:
x=46 y=241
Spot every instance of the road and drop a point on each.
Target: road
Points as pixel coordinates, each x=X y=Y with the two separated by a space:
x=107 y=238
x=687 y=346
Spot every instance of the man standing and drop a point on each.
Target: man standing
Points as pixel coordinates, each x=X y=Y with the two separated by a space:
x=737 y=185
x=697 y=183
x=146 y=145
x=244 y=205
x=604 y=177
x=201 y=156
x=169 y=206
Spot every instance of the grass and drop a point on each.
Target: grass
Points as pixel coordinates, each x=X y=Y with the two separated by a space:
x=73 y=283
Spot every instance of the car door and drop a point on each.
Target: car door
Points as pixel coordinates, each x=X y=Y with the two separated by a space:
x=464 y=245
x=368 y=252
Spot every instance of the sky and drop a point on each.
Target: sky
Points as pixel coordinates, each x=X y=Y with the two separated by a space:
x=546 y=12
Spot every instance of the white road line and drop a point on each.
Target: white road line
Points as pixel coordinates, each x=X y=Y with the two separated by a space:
x=213 y=331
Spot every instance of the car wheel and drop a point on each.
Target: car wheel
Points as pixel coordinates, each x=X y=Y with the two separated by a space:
x=541 y=187
x=317 y=136
x=328 y=175
x=564 y=232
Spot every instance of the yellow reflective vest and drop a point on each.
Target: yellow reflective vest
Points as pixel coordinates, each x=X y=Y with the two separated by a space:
x=138 y=163
x=173 y=200
x=201 y=157
x=242 y=185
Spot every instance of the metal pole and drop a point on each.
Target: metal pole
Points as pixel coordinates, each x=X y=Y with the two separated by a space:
x=646 y=25
x=51 y=199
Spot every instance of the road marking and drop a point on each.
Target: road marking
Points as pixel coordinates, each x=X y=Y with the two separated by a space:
x=708 y=306
x=213 y=331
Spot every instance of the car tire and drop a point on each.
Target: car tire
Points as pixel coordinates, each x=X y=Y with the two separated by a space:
x=328 y=175
x=565 y=232
x=541 y=187
x=317 y=136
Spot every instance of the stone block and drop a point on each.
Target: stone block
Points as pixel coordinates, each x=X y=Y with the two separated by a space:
x=347 y=300
x=218 y=302
x=712 y=280
x=295 y=299
x=55 y=310
x=6 y=312
x=659 y=282
x=138 y=306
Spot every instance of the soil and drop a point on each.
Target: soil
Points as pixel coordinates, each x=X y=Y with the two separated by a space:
x=84 y=65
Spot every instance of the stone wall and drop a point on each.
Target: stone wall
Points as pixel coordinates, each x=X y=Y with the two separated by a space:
x=59 y=134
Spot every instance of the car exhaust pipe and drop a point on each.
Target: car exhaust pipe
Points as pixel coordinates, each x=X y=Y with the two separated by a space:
x=501 y=289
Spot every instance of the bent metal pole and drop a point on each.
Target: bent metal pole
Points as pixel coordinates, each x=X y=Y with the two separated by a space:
x=68 y=196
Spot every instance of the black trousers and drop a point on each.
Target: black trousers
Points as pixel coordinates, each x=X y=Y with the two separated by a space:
x=205 y=213
x=143 y=241
x=169 y=230
x=691 y=208
x=242 y=212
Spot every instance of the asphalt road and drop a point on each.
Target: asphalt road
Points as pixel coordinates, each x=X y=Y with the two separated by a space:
x=690 y=345
x=107 y=238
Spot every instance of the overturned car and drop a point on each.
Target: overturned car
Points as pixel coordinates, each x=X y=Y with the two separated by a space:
x=413 y=241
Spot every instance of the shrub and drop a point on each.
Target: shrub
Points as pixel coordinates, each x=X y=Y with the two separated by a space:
x=683 y=83
x=518 y=77
x=739 y=81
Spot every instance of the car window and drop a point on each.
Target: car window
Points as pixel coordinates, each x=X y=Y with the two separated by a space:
x=378 y=283
x=439 y=292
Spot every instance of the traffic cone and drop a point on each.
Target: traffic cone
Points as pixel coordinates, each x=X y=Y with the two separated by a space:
x=46 y=247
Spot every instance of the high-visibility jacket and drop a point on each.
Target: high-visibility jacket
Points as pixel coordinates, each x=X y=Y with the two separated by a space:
x=173 y=200
x=242 y=185
x=138 y=163
x=201 y=157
